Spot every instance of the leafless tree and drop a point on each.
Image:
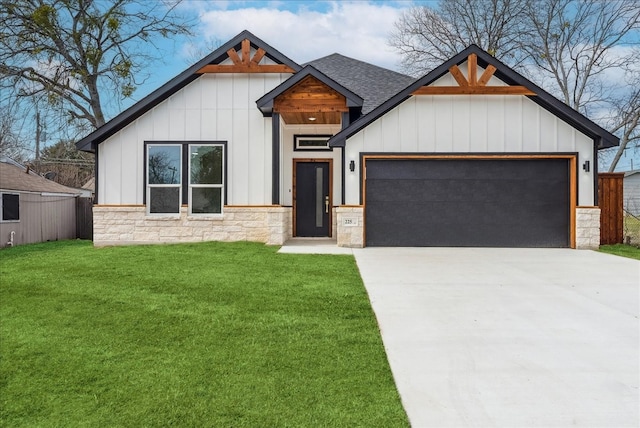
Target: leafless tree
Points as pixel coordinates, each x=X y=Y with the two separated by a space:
x=67 y=165
x=580 y=51
x=10 y=143
x=74 y=52
x=428 y=36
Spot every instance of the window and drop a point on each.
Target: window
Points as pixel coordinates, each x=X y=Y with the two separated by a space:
x=311 y=142
x=205 y=179
x=179 y=174
x=10 y=207
x=164 y=178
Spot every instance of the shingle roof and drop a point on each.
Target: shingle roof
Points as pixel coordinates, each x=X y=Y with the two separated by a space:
x=374 y=84
x=13 y=177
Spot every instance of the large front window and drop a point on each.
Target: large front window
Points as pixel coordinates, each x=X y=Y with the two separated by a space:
x=205 y=179
x=164 y=168
x=185 y=173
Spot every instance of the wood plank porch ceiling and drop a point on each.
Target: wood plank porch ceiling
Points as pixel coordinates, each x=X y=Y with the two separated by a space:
x=310 y=102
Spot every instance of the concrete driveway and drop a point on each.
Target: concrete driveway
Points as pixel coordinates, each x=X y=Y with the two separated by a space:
x=509 y=337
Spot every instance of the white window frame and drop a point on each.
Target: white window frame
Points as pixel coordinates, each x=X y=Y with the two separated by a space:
x=150 y=186
x=2 y=220
x=206 y=186
x=324 y=139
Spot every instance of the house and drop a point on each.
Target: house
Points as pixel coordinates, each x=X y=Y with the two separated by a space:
x=249 y=145
x=631 y=192
x=33 y=208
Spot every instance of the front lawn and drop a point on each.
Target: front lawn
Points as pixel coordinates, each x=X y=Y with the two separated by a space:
x=209 y=334
x=622 y=250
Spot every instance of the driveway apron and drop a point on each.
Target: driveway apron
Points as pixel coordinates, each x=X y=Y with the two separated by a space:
x=509 y=337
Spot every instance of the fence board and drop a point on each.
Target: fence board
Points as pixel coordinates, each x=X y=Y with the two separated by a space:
x=84 y=218
x=610 y=199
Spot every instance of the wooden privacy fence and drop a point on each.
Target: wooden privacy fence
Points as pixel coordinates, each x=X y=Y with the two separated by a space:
x=610 y=200
x=84 y=218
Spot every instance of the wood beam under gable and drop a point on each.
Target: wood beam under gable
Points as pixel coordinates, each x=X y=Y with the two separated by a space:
x=243 y=62
x=471 y=85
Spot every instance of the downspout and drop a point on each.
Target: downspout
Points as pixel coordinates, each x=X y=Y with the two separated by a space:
x=12 y=236
x=95 y=175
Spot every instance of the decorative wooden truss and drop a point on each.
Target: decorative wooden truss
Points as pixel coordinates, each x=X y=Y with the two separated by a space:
x=243 y=63
x=471 y=85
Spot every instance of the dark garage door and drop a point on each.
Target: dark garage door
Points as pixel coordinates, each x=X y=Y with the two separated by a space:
x=467 y=202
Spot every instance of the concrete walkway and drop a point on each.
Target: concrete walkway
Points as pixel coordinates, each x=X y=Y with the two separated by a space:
x=509 y=337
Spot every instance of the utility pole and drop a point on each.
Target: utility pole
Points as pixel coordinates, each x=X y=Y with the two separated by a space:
x=37 y=141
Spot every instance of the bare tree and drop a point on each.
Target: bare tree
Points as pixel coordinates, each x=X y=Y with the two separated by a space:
x=428 y=36
x=578 y=43
x=625 y=120
x=11 y=144
x=75 y=51
x=66 y=164
x=580 y=51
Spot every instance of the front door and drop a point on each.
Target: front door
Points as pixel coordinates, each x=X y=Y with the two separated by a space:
x=312 y=197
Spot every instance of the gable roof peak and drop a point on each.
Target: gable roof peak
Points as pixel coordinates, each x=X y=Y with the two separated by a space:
x=602 y=138
x=90 y=142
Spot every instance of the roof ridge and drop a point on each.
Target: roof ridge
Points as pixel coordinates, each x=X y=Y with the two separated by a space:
x=337 y=54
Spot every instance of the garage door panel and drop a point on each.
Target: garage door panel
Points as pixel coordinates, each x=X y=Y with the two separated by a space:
x=509 y=203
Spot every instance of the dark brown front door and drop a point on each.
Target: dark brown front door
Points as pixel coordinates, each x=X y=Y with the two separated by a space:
x=312 y=198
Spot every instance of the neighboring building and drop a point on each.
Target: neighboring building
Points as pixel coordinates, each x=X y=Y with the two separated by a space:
x=249 y=145
x=33 y=208
x=631 y=192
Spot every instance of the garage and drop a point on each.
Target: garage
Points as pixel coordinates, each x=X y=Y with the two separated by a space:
x=457 y=201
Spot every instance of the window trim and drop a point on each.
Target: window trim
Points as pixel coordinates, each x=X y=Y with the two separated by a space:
x=314 y=137
x=185 y=193
x=2 y=219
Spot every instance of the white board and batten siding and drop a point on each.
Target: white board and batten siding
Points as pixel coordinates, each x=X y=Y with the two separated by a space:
x=214 y=107
x=470 y=124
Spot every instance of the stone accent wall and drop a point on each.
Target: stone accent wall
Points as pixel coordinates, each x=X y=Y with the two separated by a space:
x=587 y=228
x=351 y=235
x=113 y=225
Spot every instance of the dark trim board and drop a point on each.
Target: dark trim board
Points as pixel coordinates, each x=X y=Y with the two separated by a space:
x=275 y=159
x=450 y=194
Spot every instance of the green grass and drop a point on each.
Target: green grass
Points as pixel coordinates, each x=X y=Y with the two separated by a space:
x=622 y=250
x=211 y=334
x=632 y=229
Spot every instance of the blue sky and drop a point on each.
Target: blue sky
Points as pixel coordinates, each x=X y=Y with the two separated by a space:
x=301 y=30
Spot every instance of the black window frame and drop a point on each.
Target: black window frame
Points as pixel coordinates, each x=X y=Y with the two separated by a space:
x=185 y=168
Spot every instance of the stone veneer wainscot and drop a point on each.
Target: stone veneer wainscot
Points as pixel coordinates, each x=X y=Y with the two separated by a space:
x=125 y=225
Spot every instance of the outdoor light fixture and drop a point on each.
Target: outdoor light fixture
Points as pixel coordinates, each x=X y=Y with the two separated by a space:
x=352 y=166
x=586 y=166
x=312 y=118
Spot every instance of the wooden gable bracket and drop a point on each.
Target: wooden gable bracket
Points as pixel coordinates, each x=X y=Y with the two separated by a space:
x=244 y=64
x=471 y=85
